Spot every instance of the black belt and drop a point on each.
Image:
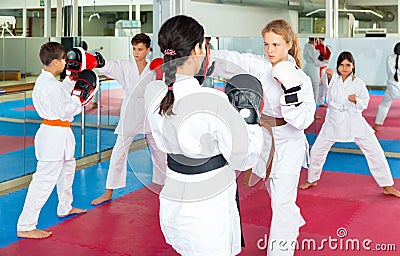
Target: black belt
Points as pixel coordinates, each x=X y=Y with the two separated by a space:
x=186 y=165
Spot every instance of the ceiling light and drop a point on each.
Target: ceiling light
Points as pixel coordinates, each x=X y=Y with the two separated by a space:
x=348 y=10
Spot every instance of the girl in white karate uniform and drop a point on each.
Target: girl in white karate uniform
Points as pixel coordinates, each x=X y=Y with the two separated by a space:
x=347 y=97
x=392 y=88
x=287 y=121
x=206 y=141
x=131 y=75
x=54 y=143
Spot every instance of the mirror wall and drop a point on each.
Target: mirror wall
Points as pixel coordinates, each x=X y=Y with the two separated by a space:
x=23 y=31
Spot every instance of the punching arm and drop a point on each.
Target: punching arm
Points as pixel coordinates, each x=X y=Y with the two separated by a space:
x=289 y=76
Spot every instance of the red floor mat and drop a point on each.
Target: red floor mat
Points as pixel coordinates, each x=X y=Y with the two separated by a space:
x=14 y=143
x=350 y=203
x=110 y=104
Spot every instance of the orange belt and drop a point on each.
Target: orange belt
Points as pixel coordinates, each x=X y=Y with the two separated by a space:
x=57 y=122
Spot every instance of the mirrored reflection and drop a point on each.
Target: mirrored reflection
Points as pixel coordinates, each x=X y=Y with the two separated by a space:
x=370 y=57
x=16 y=147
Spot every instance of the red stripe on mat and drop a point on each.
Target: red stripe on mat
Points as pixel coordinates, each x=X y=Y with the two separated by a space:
x=130 y=225
x=13 y=143
x=390 y=129
x=111 y=101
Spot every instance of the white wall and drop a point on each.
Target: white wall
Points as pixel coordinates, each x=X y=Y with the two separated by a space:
x=233 y=20
x=115 y=48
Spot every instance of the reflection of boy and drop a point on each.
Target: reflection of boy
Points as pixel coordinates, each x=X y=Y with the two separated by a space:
x=132 y=118
x=54 y=143
x=208 y=81
x=208 y=43
x=324 y=56
x=312 y=60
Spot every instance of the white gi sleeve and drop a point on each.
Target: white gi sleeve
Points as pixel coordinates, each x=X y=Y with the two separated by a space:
x=68 y=84
x=301 y=116
x=64 y=104
x=115 y=69
x=362 y=98
x=391 y=69
x=230 y=63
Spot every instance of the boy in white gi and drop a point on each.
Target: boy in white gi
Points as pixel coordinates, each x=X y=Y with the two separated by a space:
x=347 y=97
x=54 y=141
x=132 y=122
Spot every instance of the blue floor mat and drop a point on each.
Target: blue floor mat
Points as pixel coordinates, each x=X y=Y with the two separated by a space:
x=21 y=162
x=15 y=109
x=387 y=145
x=89 y=183
x=376 y=92
x=11 y=109
x=357 y=164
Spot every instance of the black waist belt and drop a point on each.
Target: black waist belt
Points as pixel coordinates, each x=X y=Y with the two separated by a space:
x=187 y=165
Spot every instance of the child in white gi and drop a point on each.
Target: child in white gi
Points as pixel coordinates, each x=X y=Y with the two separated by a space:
x=206 y=140
x=54 y=143
x=347 y=97
x=287 y=122
x=312 y=65
x=132 y=118
x=392 y=87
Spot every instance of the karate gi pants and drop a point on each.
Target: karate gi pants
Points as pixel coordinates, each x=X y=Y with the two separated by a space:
x=48 y=174
x=384 y=106
x=116 y=177
x=368 y=144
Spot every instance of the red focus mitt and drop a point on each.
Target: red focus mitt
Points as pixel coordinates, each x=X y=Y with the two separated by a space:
x=78 y=59
x=156 y=65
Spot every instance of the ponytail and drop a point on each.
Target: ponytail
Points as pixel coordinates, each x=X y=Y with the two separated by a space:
x=169 y=69
x=396 y=78
x=397 y=52
x=177 y=37
x=295 y=51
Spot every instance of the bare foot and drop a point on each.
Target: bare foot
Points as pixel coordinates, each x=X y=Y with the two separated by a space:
x=34 y=234
x=307 y=184
x=95 y=105
x=107 y=196
x=73 y=211
x=390 y=190
x=376 y=127
x=317 y=116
